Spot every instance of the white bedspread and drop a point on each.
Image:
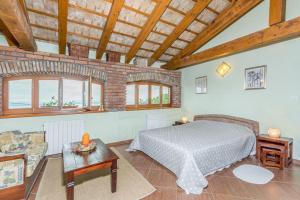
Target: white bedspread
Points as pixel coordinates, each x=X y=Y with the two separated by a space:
x=194 y=150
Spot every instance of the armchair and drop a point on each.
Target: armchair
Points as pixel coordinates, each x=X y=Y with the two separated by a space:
x=22 y=156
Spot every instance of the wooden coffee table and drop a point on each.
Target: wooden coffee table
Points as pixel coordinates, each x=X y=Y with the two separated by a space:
x=78 y=164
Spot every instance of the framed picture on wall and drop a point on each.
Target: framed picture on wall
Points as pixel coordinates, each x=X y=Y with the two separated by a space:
x=255 y=77
x=201 y=85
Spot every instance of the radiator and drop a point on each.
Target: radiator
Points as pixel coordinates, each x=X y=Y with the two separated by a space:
x=62 y=132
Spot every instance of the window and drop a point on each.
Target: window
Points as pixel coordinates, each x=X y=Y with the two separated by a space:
x=20 y=94
x=130 y=94
x=96 y=94
x=48 y=94
x=143 y=95
x=73 y=93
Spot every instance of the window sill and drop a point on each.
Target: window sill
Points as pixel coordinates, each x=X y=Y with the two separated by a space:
x=7 y=116
x=149 y=108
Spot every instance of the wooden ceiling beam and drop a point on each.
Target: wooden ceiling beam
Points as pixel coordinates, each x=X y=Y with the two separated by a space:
x=152 y=20
x=87 y=10
x=9 y=37
x=168 y=23
x=41 y=12
x=62 y=25
x=277 y=11
x=130 y=24
x=109 y=26
x=213 y=10
x=274 y=34
x=136 y=10
x=16 y=23
x=176 y=10
x=182 y=26
x=202 y=22
x=238 y=9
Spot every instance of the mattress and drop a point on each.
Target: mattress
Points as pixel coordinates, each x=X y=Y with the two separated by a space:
x=196 y=149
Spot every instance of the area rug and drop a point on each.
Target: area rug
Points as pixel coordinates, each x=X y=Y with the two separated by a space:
x=131 y=185
x=253 y=174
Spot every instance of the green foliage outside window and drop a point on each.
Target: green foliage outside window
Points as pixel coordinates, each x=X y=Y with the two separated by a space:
x=51 y=103
x=165 y=99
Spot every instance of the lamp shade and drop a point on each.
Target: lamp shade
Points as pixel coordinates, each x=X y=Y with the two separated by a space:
x=274 y=132
x=184 y=119
x=223 y=69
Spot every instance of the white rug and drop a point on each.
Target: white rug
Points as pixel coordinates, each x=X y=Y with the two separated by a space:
x=253 y=174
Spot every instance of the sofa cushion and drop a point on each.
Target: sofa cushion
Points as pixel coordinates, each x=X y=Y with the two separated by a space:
x=12 y=148
x=34 y=153
x=11 y=173
x=36 y=137
x=8 y=137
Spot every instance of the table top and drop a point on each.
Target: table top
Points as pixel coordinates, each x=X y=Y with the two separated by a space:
x=74 y=161
x=266 y=137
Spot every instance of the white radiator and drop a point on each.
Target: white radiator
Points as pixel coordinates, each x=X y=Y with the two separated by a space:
x=62 y=132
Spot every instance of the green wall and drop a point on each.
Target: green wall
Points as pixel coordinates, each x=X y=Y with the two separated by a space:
x=276 y=106
x=109 y=126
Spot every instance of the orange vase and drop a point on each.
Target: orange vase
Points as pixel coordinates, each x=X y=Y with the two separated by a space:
x=85 y=139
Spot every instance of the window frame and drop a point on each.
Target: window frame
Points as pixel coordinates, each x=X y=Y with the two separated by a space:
x=137 y=106
x=6 y=109
x=36 y=109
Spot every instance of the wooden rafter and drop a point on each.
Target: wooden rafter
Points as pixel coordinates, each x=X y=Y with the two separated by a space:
x=14 y=18
x=109 y=27
x=152 y=20
x=277 y=11
x=187 y=20
x=274 y=34
x=62 y=25
x=238 y=9
x=9 y=37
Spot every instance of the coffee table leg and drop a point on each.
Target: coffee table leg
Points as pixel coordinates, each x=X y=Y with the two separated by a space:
x=114 y=176
x=70 y=186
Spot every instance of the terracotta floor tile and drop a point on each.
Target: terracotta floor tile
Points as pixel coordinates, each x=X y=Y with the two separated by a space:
x=162 y=178
x=222 y=185
x=163 y=194
x=227 y=197
x=227 y=186
x=181 y=195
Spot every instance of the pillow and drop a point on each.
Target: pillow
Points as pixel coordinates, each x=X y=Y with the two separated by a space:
x=37 y=137
x=20 y=140
x=12 y=148
x=8 y=137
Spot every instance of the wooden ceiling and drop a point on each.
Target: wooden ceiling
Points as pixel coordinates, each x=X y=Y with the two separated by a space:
x=158 y=30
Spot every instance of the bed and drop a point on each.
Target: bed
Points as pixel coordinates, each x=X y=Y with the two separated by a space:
x=197 y=149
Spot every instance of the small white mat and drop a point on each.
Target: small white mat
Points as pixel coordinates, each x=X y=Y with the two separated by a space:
x=253 y=174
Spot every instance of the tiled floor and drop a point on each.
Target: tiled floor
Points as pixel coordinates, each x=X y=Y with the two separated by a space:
x=221 y=186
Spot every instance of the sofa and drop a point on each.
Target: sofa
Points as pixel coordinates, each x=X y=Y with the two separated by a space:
x=22 y=156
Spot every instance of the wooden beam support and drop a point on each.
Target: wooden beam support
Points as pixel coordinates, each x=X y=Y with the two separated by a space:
x=187 y=20
x=159 y=9
x=274 y=34
x=277 y=11
x=109 y=26
x=15 y=22
x=9 y=37
x=225 y=19
x=62 y=25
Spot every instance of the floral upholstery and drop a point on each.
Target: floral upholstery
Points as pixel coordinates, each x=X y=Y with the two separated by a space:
x=34 y=152
x=11 y=173
x=14 y=142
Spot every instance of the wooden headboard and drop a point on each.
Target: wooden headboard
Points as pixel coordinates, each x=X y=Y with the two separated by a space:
x=253 y=125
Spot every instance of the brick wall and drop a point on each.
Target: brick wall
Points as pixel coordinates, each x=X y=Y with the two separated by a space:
x=14 y=61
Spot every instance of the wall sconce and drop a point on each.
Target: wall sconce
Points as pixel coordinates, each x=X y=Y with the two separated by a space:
x=223 y=69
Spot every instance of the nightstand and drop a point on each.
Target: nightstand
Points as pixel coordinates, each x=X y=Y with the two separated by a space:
x=180 y=123
x=274 y=152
